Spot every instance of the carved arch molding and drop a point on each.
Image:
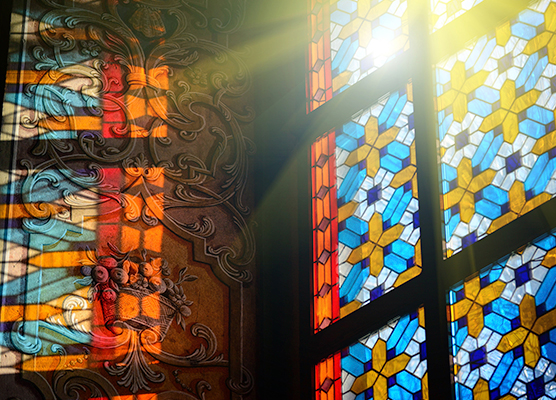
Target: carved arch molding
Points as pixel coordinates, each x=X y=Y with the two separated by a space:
x=127 y=251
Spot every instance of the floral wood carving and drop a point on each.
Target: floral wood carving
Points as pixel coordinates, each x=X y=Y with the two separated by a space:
x=134 y=111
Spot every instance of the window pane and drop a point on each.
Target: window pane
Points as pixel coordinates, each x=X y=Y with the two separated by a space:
x=496 y=102
x=445 y=11
x=372 y=246
x=350 y=39
x=390 y=363
x=503 y=327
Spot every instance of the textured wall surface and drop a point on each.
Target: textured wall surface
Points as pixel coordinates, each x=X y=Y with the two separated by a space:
x=127 y=252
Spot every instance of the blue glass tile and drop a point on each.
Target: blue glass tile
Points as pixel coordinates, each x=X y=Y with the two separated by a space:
x=532 y=128
x=357 y=225
x=348 y=6
x=349 y=56
x=527 y=69
x=495 y=194
x=388 y=107
x=479 y=107
x=523 y=31
x=340 y=55
x=395 y=263
x=354 y=130
x=478 y=358
x=397 y=332
x=531 y=17
x=349 y=238
x=488 y=209
x=403 y=249
x=360 y=352
x=505 y=308
x=346 y=142
x=522 y=275
x=535 y=388
x=536 y=74
x=501 y=370
x=353 y=366
x=497 y=323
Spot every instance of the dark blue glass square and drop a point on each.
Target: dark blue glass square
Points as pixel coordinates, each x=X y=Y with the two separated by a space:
x=361 y=141
x=516 y=323
x=520 y=91
x=462 y=139
x=366 y=262
x=477 y=358
x=541 y=309
x=416 y=219
x=341 y=201
x=485 y=281
x=369 y=394
x=387 y=250
x=477 y=169
x=377 y=292
x=455 y=209
x=513 y=162
x=410 y=262
x=343 y=301
x=553 y=83
x=418 y=396
x=540 y=29
x=368 y=365
x=550 y=127
x=382 y=128
x=544 y=338
x=460 y=295
x=345 y=352
x=411 y=121
x=487 y=309
x=462 y=322
x=406 y=162
x=413 y=315
x=505 y=63
x=390 y=354
x=422 y=351
x=552 y=153
x=469 y=240
x=522 y=275
x=494 y=394
x=386 y=224
x=373 y=195
x=535 y=388
x=505 y=208
x=392 y=381
x=498 y=130
x=407 y=187
x=453 y=184
x=529 y=194
x=518 y=352
x=478 y=196
x=362 y=165
x=383 y=152
x=341 y=226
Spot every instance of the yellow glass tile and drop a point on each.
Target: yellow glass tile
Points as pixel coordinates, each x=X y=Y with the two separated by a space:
x=373 y=163
x=365 y=33
x=537 y=43
x=414 y=187
x=481 y=181
x=364 y=382
x=347 y=210
x=472 y=288
x=550 y=18
x=517 y=197
x=460 y=309
x=508 y=397
x=403 y=176
x=350 y=28
x=503 y=34
x=425 y=386
x=510 y=127
x=407 y=275
x=452 y=198
x=491 y=292
x=480 y=391
x=458 y=75
x=531 y=350
x=409 y=91
x=375 y=227
x=449 y=253
x=552 y=50
x=445 y=99
x=412 y=154
x=511 y=340
x=493 y=120
x=507 y=94
x=387 y=137
x=418 y=260
x=377 y=261
x=395 y=365
x=371 y=130
x=460 y=107
x=380 y=389
x=349 y=308
x=421 y=316
x=475 y=320
x=501 y=221
x=390 y=235
x=535 y=202
x=527 y=311
x=474 y=81
x=379 y=9
x=525 y=101
x=549 y=259
x=467 y=207
x=544 y=144
x=465 y=173
x=545 y=322
x=358 y=155
x=341 y=80
x=379 y=354
x=361 y=253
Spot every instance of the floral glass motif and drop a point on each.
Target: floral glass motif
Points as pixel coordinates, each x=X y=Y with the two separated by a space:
x=350 y=39
x=377 y=223
x=503 y=327
x=445 y=11
x=496 y=102
x=388 y=364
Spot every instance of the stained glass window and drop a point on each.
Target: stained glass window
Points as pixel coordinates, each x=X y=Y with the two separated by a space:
x=365 y=208
x=496 y=102
x=445 y=11
x=390 y=363
x=503 y=327
x=350 y=39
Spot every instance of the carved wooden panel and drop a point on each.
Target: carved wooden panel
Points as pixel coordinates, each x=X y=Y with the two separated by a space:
x=127 y=254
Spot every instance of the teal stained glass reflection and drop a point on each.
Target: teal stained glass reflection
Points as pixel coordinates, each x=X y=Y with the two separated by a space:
x=503 y=327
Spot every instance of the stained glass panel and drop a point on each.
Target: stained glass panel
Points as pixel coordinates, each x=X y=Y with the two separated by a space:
x=503 y=327
x=445 y=11
x=496 y=102
x=376 y=231
x=350 y=39
x=390 y=363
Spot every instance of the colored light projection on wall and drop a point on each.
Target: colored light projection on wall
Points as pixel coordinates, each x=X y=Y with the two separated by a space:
x=377 y=208
x=503 y=327
x=388 y=364
x=111 y=185
x=496 y=102
x=349 y=40
x=445 y=11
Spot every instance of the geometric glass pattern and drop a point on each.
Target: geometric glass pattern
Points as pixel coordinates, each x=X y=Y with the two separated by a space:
x=496 y=101
x=373 y=178
x=350 y=39
x=503 y=327
x=388 y=364
x=445 y=11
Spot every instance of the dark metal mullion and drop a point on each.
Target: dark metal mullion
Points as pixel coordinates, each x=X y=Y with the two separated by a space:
x=438 y=356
